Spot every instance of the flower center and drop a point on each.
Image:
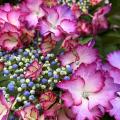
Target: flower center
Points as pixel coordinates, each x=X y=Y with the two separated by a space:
x=85 y=95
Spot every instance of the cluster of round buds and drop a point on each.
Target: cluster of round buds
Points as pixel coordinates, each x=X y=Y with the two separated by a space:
x=25 y=89
x=83 y=4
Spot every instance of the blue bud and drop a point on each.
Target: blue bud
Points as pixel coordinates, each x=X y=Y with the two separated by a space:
x=11 y=117
x=44 y=80
x=66 y=78
x=53 y=62
x=31 y=97
x=46 y=58
x=23 y=86
x=49 y=73
x=36 y=55
x=20 y=50
x=30 y=84
x=10 y=58
x=25 y=53
x=27 y=104
x=6 y=72
x=1 y=54
x=22 y=80
x=26 y=93
x=56 y=76
x=11 y=87
x=69 y=69
x=15 y=66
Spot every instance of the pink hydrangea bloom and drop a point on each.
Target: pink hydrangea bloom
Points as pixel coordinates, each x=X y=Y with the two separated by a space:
x=95 y=2
x=99 y=21
x=84 y=28
x=116 y=107
x=13 y=33
x=58 y=20
x=34 y=11
x=47 y=44
x=29 y=113
x=80 y=54
x=113 y=59
x=4 y=107
x=85 y=91
x=47 y=99
x=34 y=70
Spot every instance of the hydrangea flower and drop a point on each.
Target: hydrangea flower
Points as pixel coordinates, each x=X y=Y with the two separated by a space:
x=113 y=59
x=34 y=11
x=99 y=21
x=85 y=91
x=4 y=107
x=114 y=71
x=47 y=44
x=29 y=113
x=13 y=33
x=116 y=107
x=95 y=2
x=80 y=54
x=47 y=99
x=34 y=70
x=58 y=20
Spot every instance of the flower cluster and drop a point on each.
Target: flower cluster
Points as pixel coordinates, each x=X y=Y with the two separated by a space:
x=46 y=72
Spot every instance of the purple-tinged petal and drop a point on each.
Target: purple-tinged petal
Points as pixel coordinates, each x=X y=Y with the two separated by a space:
x=114 y=59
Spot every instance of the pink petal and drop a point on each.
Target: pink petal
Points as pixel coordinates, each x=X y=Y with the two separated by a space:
x=114 y=59
x=94 y=80
x=104 y=96
x=4 y=107
x=53 y=17
x=67 y=58
x=32 y=19
x=87 y=54
x=29 y=113
x=74 y=87
x=65 y=12
x=52 y=111
x=116 y=108
x=13 y=18
x=115 y=74
x=68 y=26
x=68 y=100
x=83 y=112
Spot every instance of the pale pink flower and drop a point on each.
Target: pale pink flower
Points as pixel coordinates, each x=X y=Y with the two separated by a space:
x=87 y=90
x=4 y=107
x=58 y=20
x=34 y=70
x=34 y=11
x=80 y=54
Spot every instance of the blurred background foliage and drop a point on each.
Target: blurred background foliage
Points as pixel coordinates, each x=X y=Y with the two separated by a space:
x=106 y=41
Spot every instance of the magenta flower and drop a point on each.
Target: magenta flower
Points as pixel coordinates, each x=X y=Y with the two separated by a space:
x=85 y=92
x=29 y=113
x=13 y=33
x=84 y=28
x=116 y=107
x=47 y=44
x=95 y=2
x=4 y=107
x=47 y=99
x=58 y=20
x=80 y=54
x=114 y=58
x=34 y=11
x=34 y=70
x=99 y=21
